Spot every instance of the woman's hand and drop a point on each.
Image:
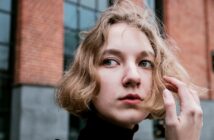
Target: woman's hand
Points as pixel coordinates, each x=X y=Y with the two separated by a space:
x=187 y=125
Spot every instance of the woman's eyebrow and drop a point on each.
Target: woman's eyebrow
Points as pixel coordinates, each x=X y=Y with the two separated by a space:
x=147 y=54
x=112 y=52
x=144 y=53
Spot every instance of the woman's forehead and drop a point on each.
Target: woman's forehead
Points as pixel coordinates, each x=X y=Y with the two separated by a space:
x=123 y=36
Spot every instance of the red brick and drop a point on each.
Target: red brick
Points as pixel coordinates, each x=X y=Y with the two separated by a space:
x=39 y=47
x=186 y=24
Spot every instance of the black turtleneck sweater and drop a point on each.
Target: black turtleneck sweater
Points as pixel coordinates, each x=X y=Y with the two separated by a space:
x=98 y=129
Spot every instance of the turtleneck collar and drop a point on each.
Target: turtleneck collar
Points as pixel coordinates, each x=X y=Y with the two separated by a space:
x=99 y=129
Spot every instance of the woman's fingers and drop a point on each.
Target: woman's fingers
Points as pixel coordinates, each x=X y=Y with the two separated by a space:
x=187 y=125
x=195 y=96
x=170 y=106
x=183 y=91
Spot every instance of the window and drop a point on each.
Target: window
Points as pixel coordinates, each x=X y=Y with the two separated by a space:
x=5 y=89
x=4 y=106
x=4 y=57
x=159 y=14
x=4 y=34
x=5 y=5
x=87 y=18
x=150 y=3
x=79 y=15
x=4 y=22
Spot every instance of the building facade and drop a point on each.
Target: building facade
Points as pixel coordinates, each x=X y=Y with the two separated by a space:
x=37 y=43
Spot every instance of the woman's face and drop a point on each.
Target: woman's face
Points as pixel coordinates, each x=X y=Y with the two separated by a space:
x=125 y=73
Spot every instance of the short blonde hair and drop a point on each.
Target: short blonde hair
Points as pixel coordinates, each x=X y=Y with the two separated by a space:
x=80 y=83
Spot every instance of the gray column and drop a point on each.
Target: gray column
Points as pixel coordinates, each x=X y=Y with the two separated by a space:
x=35 y=115
x=208 y=126
x=145 y=131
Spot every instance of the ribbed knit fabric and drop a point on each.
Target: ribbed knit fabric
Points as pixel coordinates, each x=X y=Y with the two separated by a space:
x=98 y=129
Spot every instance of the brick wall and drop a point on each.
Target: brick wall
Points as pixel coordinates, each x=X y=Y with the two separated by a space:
x=210 y=28
x=186 y=23
x=39 y=42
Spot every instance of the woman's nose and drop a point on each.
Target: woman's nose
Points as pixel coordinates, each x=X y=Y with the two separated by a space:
x=131 y=77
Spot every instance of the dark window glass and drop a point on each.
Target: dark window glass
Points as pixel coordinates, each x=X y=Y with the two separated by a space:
x=70 y=15
x=4 y=92
x=73 y=0
x=71 y=40
x=4 y=134
x=70 y=44
x=4 y=27
x=159 y=9
x=4 y=106
x=150 y=3
x=88 y=3
x=87 y=18
x=102 y=5
x=5 y=79
x=5 y=5
x=4 y=60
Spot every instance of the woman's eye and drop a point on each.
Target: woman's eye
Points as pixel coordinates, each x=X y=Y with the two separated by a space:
x=109 y=62
x=146 y=64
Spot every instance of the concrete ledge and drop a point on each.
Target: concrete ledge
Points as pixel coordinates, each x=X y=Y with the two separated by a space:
x=35 y=115
x=208 y=117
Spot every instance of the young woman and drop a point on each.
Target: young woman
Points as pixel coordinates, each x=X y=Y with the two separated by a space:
x=125 y=72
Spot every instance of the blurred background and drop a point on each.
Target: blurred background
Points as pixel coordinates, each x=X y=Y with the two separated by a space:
x=37 y=42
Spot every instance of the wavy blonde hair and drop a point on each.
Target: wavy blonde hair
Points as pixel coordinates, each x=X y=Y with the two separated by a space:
x=81 y=83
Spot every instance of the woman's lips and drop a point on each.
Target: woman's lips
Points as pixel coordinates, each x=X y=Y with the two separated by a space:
x=131 y=99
